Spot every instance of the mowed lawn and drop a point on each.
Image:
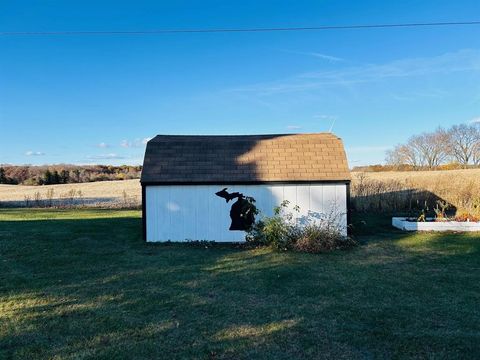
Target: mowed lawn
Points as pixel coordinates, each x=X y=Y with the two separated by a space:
x=83 y=284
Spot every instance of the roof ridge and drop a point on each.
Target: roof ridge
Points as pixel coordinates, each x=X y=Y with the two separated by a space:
x=237 y=136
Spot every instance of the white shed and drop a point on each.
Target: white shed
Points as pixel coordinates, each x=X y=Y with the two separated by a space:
x=190 y=183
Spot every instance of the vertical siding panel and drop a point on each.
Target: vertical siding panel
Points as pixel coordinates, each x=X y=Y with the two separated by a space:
x=317 y=203
x=175 y=208
x=187 y=204
x=204 y=214
x=262 y=196
x=329 y=200
x=290 y=194
x=277 y=195
x=341 y=196
x=216 y=218
x=167 y=213
x=163 y=215
x=156 y=213
x=208 y=230
x=149 y=200
x=197 y=208
x=266 y=203
x=157 y=218
x=303 y=200
x=219 y=221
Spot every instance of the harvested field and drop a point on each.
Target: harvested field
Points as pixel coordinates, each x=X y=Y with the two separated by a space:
x=126 y=193
x=425 y=178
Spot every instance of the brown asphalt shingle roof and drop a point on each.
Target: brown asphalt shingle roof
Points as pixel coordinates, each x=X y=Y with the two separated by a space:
x=244 y=158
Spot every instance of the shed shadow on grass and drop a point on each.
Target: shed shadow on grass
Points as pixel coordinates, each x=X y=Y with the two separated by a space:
x=92 y=287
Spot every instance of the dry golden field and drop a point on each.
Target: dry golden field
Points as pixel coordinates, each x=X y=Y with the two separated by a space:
x=382 y=191
x=406 y=190
x=101 y=193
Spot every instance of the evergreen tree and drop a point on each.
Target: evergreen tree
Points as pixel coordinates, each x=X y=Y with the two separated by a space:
x=76 y=172
x=55 y=177
x=47 y=177
x=3 y=178
x=64 y=176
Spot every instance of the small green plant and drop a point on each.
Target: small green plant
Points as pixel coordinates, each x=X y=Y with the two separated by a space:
x=440 y=210
x=276 y=231
x=422 y=217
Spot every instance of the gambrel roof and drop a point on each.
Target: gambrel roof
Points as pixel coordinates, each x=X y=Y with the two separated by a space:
x=199 y=159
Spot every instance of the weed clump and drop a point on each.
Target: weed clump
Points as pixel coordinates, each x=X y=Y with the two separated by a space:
x=313 y=233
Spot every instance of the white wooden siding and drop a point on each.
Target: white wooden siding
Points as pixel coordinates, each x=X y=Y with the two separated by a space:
x=194 y=212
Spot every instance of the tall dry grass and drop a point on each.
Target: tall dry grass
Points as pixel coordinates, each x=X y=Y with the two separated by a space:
x=412 y=191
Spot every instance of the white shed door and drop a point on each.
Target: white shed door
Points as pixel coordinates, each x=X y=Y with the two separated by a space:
x=194 y=212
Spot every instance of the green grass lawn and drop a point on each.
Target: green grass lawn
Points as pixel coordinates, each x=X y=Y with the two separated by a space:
x=83 y=284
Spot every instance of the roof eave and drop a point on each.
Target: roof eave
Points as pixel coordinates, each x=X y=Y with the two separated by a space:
x=252 y=182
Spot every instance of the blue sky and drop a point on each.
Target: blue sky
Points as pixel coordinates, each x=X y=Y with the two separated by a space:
x=96 y=99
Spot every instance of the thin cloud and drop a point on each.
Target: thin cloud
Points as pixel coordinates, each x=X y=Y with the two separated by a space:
x=367 y=149
x=103 y=145
x=108 y=159
x=138 y=142
x=325 y=117
x=475 y=120
x=125 y=144
x=111 y=156
x=329 y=58
x=34 y=153
x=293 y=127
x=460 y=61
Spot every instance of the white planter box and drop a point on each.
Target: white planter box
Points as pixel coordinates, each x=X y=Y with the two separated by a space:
x=402 y=224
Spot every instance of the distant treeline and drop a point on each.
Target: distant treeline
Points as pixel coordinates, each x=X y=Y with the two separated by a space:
x=65 y=174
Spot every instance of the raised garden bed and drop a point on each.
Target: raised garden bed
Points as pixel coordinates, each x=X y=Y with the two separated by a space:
x=407 y=224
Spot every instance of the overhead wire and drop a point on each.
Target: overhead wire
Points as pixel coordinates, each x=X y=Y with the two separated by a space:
x=237 y=30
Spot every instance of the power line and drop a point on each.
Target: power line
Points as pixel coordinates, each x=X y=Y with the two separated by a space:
x=234 y=30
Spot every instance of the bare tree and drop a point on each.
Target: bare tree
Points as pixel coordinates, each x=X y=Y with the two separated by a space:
x=427 y=149
x=476 y=147
x=464 y=144
x=432 y=147
x=404 y=155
